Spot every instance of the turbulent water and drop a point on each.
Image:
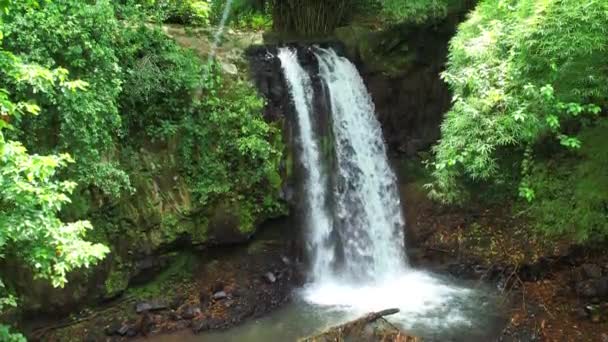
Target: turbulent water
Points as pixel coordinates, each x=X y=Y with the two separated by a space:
x=354 y=218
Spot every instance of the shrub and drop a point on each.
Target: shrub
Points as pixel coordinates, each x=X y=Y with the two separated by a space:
x=522 y=72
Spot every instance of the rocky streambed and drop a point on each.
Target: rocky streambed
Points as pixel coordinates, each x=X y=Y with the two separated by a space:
x=213 y=290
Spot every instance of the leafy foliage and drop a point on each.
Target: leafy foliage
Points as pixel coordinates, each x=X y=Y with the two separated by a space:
x=521 y=71
x=418 y=11
x=30 y=195
x=571 y=190
x=192 y=12
x=244 y=14
x=140 y=89
x=227 y=151
x=79 y=37
x=230 y=153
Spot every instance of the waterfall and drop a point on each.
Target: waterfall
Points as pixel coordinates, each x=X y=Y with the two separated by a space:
x=315 y=184
x=367 y=206
x=353 y=211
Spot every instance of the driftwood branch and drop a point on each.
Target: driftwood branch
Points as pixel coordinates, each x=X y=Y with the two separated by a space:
x=371 y=327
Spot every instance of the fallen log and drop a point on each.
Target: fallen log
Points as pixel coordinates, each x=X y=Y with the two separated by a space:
x=369 y=328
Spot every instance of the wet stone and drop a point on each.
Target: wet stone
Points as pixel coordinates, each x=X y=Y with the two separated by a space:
x=270 y=278
x=220 y=295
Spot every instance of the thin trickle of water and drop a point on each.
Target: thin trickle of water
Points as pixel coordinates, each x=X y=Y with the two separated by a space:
x=220 y=30
x=315 y=184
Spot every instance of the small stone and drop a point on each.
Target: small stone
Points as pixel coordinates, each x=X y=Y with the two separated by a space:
x=152 y=305
x=220 y=295
x=122 y=331
x=270 y=277
x=230 y=69
x=286 y=260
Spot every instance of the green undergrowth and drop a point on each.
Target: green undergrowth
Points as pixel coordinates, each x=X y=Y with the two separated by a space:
x=573 y=190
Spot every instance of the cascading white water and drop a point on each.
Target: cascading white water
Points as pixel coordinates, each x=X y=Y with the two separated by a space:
x=368 y=209
x=315 y=183
x=372 y=272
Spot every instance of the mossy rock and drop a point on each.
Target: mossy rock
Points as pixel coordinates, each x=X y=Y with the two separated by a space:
x=383 y=52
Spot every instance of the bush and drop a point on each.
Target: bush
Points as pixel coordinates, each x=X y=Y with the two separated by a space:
x=522 y=72
x=81 y=38
x=192 y=12
x=572 y=196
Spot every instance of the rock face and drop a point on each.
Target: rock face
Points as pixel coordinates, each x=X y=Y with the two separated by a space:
x=371 y=327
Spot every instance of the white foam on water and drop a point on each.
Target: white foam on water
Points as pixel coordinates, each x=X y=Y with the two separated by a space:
x=422 y=299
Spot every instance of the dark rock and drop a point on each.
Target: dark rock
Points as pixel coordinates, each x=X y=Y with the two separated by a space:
x=270 y=278
x=176 y=302
x=200 y=325
x=238 y=292
x=132 y=332
x=220 y=295
x=189 y=311
x=203 y=299
x=152 y=305
x=122 y=331
x=581 y=313
x=93 y=337
x=112 y=328
x=602 y=287
x=217 y=287
x=174 y=316
x=586 y=289
x=592 y=271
